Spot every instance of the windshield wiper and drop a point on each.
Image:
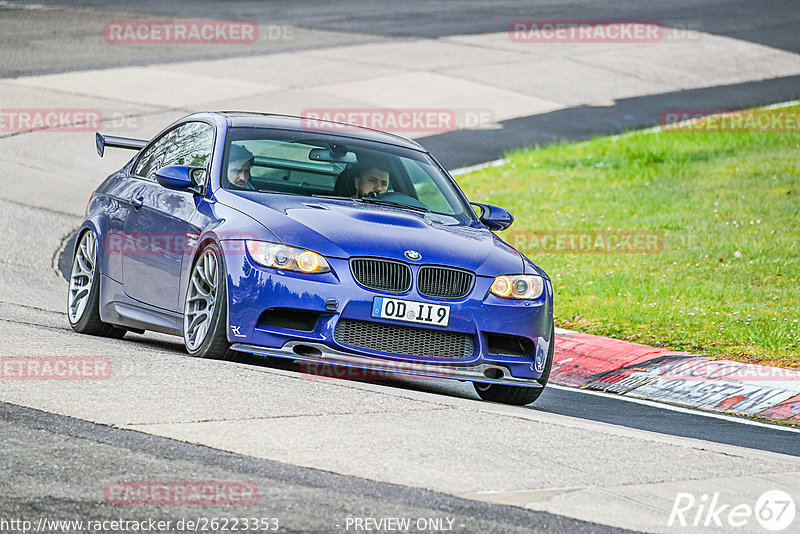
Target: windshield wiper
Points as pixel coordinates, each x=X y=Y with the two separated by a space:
x=273 y=192
x=335 y=197
x=383 y=202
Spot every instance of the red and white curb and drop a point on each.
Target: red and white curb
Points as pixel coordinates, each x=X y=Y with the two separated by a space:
x=598 y=363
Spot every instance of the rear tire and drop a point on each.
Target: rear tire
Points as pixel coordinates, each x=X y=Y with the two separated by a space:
x=518 y=395
x=83 y=297
x=205 y=311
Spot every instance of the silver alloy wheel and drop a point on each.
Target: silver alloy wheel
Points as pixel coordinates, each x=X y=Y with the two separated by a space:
x=82 y=276
x=201 y=298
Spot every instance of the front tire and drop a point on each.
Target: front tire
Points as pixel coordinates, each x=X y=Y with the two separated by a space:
x=518 y=395
x=205 y=311
x=83 y=298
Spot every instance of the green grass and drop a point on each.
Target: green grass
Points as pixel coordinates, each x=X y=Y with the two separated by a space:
x=727 y=206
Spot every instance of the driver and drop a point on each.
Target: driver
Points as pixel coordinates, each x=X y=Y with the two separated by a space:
x=239 y=165
x=371 y=180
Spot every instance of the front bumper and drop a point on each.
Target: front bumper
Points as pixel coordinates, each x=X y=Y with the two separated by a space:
x=252 y=289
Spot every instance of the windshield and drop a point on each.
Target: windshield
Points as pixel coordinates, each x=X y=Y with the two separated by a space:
x=313 y=164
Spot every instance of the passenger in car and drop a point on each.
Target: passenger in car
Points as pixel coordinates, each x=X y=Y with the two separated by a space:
x=239 y=163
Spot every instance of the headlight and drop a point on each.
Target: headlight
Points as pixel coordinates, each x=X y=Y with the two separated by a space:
x=518 y=286
x=287 y=258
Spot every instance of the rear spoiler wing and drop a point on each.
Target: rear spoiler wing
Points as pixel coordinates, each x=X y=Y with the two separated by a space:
x=102 y=141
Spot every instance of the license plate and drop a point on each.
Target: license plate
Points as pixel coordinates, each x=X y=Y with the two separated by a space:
x=411 y=311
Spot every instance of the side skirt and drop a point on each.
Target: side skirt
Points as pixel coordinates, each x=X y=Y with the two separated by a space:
x=119 y=309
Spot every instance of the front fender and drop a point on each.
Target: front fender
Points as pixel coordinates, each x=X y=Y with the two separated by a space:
x=229 y=231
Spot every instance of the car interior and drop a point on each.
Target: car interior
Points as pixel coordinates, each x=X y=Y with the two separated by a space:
x=325 y=169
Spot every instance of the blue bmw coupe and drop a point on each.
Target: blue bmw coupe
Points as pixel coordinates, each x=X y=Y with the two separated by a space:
x=314 y=241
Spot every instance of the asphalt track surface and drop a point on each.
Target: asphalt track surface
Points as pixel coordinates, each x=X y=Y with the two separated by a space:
x=45 y=446
x=772 y=23
x=48 y=447
x=612 y=409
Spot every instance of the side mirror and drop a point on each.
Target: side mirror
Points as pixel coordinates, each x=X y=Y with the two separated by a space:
x=178 y=177
x=494 y=217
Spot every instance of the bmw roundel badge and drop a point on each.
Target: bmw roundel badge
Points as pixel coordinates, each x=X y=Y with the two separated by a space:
x=413 y=255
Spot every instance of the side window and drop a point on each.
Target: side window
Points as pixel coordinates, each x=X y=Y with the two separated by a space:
x=189 y=144
x=150 y=160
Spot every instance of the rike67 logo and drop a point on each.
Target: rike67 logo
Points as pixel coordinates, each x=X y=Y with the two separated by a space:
x=774 y=510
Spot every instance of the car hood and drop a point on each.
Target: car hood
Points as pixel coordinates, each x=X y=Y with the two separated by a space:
x=345 y=228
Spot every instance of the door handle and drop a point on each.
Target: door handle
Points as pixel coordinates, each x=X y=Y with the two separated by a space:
x=137 y=202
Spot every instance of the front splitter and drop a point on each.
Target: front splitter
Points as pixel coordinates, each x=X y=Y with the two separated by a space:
x=320 y=354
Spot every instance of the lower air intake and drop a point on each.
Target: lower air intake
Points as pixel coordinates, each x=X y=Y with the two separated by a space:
x=403 y=340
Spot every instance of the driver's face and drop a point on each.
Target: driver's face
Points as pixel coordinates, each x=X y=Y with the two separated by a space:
x=239 y=173
x=373 y=180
